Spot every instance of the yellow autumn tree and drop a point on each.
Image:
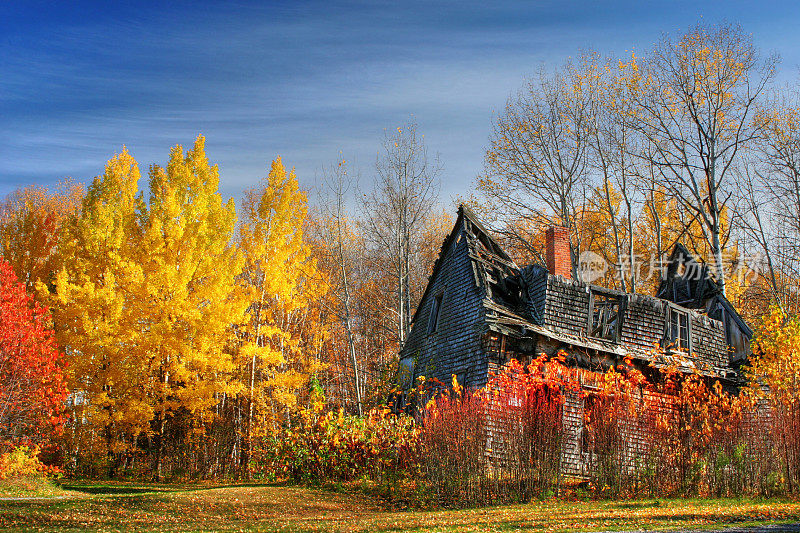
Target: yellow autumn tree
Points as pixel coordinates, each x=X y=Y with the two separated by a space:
x=694 y=107
x=95 y=320
x=775 y=368
x=281 y=337
x=593 y=222
x=186 y=299
x=776 y=356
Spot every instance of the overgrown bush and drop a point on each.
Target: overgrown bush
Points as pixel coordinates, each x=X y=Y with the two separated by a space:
x=23 y=474
x=775 y=373
x=605 y=439
x=536 y=431
x=339 y=447
x=675 y=436
x=23 y=462
x=499 y=444
x=697 y=437
x=454 y=443
x=541 y=430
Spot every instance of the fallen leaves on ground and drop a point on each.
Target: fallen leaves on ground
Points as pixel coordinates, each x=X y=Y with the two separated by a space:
x=285 y=508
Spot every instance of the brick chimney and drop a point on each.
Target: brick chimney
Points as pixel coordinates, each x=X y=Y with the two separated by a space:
x=559 y=260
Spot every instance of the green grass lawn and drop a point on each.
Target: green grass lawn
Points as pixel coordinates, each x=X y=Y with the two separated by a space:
x=151 y=507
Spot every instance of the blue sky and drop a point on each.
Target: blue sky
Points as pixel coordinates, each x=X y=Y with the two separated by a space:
x=303 y=80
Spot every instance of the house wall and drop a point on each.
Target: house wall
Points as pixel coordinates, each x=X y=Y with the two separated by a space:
x=644 y=322
x=467 y=345
x=737 y=334
x=573 y=458
x=708 y=342
x=634 y=426
x=456 y=345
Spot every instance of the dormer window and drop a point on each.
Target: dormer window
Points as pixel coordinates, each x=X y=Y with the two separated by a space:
x=678 y=335
x=436 y=308
x=605 y=315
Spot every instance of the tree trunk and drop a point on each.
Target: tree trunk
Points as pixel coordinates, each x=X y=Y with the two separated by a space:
x=347 y=318
x=162 y=424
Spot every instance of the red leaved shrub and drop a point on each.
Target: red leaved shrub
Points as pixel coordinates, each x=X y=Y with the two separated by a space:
x=32 y=389
x=500 y=443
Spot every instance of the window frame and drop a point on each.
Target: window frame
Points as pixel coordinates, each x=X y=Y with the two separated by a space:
x=619 y=301
x=675 y=343
x=406 y=369
x=435 y=313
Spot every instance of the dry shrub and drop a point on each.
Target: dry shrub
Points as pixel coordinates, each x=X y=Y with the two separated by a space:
x=454 y=439
x=698 y=442
x=787 y=444
x=676 y=435
x=611 y=435
x=499 y=444
x=775 y=372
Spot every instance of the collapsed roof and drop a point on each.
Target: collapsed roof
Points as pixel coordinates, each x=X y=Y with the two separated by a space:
x=530 y=303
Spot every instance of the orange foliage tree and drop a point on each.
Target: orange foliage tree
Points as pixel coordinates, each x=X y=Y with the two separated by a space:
x=30 y=223
x=775 y=369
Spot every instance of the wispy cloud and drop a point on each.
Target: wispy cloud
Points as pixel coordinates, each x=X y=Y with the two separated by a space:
x=300 y=79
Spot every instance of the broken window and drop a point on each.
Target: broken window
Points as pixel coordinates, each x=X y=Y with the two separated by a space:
x=406 y=372
x=605 y=315
x=678 y=337
x=460 y=379
x=436 y=307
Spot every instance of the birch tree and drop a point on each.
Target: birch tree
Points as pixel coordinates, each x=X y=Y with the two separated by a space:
x=280 y=283
x=611 y=143
x=768 y=202
x=183 y=300
x=96 y=320
x=405 y=192
x=336 y=229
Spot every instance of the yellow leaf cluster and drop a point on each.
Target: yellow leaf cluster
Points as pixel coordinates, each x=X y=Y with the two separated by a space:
x=161 y=310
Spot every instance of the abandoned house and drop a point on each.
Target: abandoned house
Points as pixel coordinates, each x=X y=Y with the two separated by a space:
x=481 y=310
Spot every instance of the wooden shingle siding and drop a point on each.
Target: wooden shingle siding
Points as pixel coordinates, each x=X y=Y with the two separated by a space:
x=644 y=323
x=456 y=345
x=708 y=341
x=573 y=461
x=634 y=425
x=566 y=308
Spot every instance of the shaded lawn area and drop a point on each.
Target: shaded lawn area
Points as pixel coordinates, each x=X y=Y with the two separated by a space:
x=151 y=507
